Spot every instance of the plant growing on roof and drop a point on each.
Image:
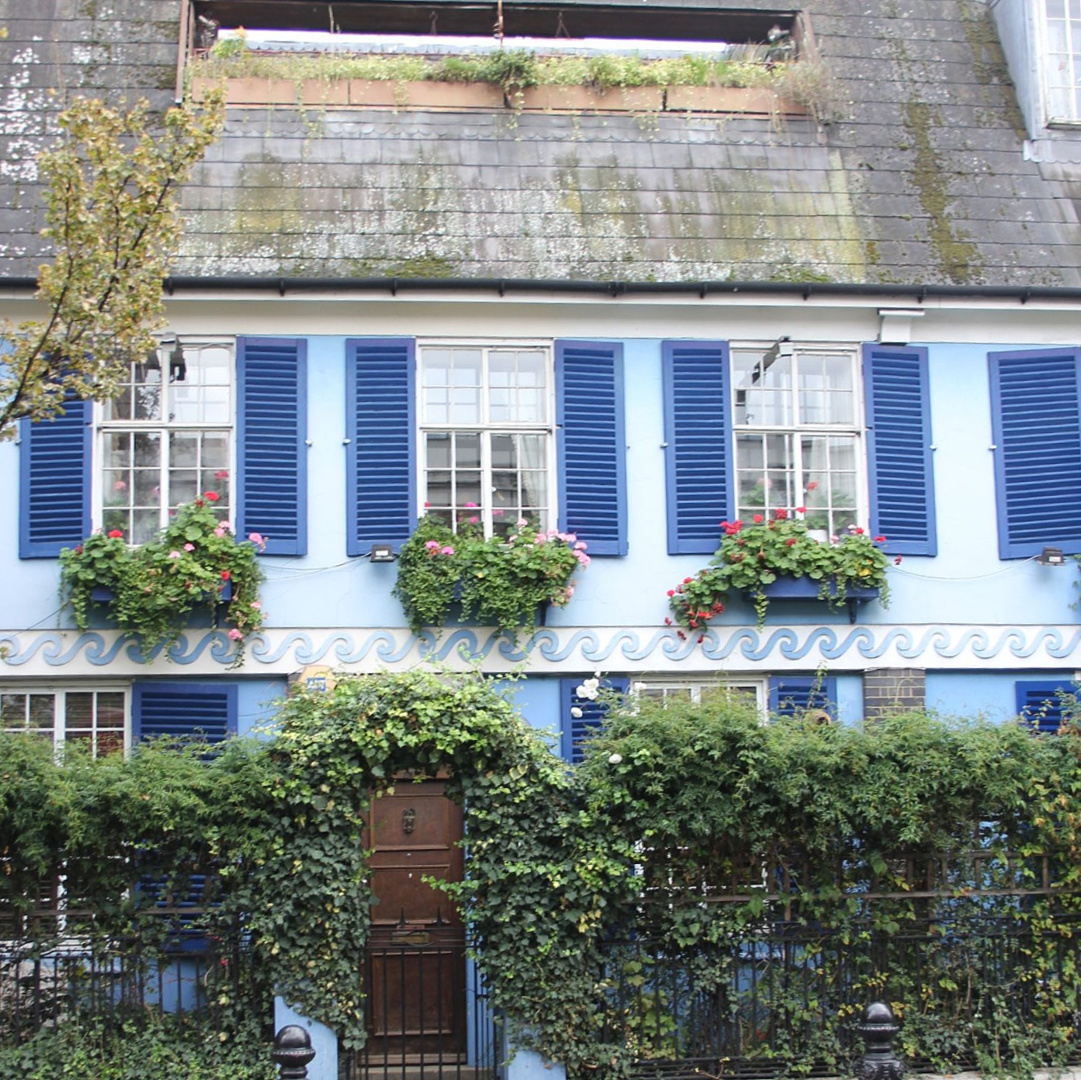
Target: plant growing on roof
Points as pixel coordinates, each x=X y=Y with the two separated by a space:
x=499 y=581
x=195 y=563
x=752 y=557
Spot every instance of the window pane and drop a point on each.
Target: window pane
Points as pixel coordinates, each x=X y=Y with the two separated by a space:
x=504 y=452
x=78 y=711
x=147 y=450
x=438 y=451
x=183 y=451
x=467 y=450
x=145 y=525
x=41 y=711
x=13 y=710
x=183 y=486
x=109 y=742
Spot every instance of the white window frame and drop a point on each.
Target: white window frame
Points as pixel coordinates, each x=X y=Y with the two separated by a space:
x=857 y=429
x=59 y=691
x=650 y=685
x=487 y=427
x=105 y=426
x=1044 y=64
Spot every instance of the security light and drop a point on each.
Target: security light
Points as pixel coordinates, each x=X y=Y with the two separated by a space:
x=1051 y=556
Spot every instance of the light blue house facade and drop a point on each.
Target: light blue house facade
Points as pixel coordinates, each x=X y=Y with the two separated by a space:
x=960 y=446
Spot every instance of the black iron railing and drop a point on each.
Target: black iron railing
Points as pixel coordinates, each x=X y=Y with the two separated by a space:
x=753 y=1006
x=183 y=980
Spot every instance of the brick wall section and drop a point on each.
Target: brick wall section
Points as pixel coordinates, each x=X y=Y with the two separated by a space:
x=893 y=690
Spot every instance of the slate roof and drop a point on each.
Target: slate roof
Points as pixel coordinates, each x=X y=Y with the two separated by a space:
x=921 y=180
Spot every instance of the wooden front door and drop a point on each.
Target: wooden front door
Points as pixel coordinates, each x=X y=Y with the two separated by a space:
x=415 y=963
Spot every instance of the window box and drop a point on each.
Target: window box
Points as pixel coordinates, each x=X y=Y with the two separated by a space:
x=431 y=94
x=585 y=99
x=805 y=588
x=102 y=594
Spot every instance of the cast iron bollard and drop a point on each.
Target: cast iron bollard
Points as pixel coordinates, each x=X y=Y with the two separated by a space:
x=292 y=1052
x=878 y=1061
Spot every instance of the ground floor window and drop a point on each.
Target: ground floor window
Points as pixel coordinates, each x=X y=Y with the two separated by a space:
x=95 y=718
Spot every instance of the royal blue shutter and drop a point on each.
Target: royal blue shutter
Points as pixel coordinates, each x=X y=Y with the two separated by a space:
x=272 y=490
x=183 y=710
x=698 y=453
x=1036 y=428
x=790 y=695
x=381 y=460
x=575 y=729
x=591 y=444
x=1039 y=703
x=899 y=454
x=54 y=481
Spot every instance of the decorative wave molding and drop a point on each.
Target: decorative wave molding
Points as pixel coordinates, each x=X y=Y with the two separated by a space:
x=615 y=649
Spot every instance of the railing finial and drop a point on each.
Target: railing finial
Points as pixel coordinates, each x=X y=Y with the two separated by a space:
x=878 y=1061
x=293 y=1052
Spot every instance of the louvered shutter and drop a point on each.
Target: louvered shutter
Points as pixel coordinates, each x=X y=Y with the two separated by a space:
x=591 y=444
x=698 y=453
x=183 y=710
x=380 y=465
x=575 y=729
x=1039 y=703
x=1036 y=426
x=790 y=695
x=54 y=482
x=272 y=452
x=900 y=464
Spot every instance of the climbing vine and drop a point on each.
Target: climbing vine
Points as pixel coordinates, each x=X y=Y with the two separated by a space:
x=691 y=825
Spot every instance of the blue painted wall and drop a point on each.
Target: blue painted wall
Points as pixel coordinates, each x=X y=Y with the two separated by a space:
x=966 y=583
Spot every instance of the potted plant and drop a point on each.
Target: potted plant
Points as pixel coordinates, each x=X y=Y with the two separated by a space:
x=753 y=558
x=499 y=581
x=152 y=591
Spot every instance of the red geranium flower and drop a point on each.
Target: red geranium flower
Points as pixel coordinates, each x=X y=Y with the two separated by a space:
x=758 y=519
x=211 y=496
x=115 y=534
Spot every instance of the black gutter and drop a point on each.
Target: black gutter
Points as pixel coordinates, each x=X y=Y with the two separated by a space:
x=503 y=286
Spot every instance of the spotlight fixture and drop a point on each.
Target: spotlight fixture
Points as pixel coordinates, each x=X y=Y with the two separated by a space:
x=1051 y=556
x=382 y=553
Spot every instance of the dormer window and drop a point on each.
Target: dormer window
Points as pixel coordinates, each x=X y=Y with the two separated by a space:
x=1061 y=61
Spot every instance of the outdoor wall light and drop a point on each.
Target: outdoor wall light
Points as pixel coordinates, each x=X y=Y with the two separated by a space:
x=382 y=553
x=1051 y=556
x=781 y=347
